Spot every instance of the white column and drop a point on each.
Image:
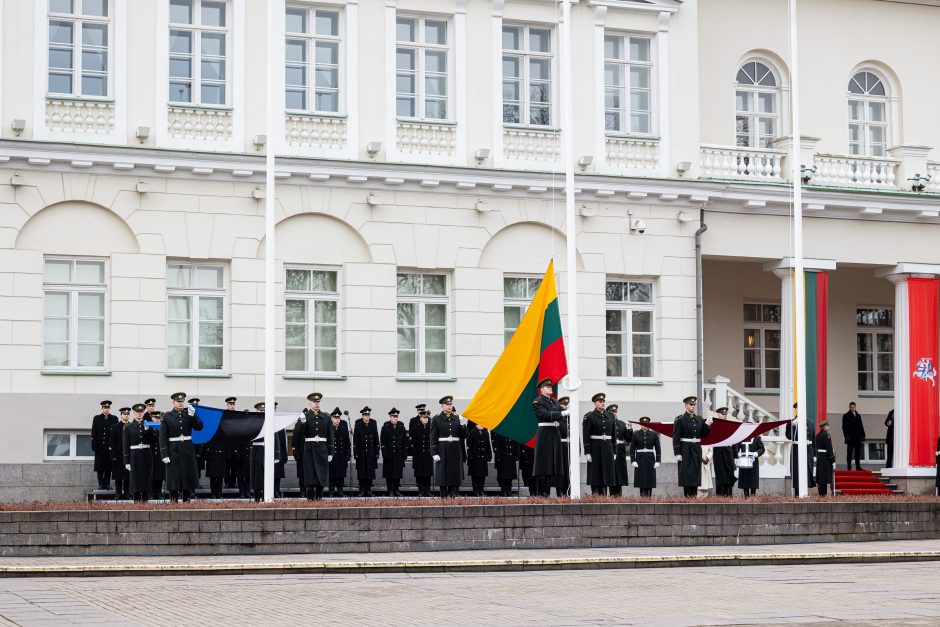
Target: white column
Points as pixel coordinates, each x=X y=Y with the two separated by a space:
x=662 y=98
x=600 y=129
x=391 y=107
x=460 y=64
x=352 y=79
x=497 y=51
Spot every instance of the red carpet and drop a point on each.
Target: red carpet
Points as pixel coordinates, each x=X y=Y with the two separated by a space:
x=859 y=482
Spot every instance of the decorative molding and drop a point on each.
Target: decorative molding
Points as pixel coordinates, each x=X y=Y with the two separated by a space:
x=316 y=131
x=72 y=115
x=200 y=123
x=426 y=139
x=531 y=146
x=632 y=154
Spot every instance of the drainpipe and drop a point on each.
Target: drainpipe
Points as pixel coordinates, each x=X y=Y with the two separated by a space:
x=699 y=324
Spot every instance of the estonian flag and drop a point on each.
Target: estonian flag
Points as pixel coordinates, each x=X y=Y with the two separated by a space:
x=226 y=427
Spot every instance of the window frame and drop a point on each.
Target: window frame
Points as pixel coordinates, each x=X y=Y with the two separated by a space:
x=312 y=296
x=420 y=73
x=420 y=326
x=866 y=452
x=864 y=145
x=310 y=64
x=524 y=78
x=196 y=56
x=625 y=307
x=73 y=289
x=73 y=445
x=196 y=294
x=77 y=47
x=754 y=115
x=874 y=331
x=518 y=303
x=762 y=327
x=625 y=93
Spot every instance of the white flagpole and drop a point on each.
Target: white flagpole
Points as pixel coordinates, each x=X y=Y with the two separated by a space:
x=799 y=288
x=567 y=122
x=269 y=206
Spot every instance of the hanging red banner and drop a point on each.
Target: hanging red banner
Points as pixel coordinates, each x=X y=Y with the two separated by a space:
x=923 y=302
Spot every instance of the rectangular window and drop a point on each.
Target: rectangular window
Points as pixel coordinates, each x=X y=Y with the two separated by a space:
x=422 y=323
x=761 y=346
x=312 y=60
x=199 y=38
x=517 y=294
x=74 y=314
x=875 y=348
x=422 y=55
x=630 y=337
x=79 y=48
x=527 y=75
x=875 y=452
x=311 y=321
x=628 y=69
x=63 y=445
x=195 y=334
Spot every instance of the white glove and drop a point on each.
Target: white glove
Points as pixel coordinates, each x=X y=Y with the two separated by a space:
x=166 y=460
x=636 y=465
x=127 y=466
x=277 y=461
x=615 y=457
x=437 y=458
x=678 y=458
x=565 y=413
x=303 y=419
x=191 y=410
x=329 y=458
x=656 y=465
x=588 y=457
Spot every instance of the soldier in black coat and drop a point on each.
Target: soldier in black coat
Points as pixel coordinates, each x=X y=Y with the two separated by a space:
x=315 y=428
x=749 y=476
x=366 y=450
x=176 y=447
x=394 y=443
x=419 y=408
x=548 y=461
x=200 y=458
x=297 y=444
x=526 y=459
x=646 y=455
x=214 y=455
x=257 y=460
x=239 y=459
x=825 y=458
x=622 y=434
x=159 y=468
x=792 y=434
x=447 y=448
x=723 y=461
x=139 y=439
x=341 y=452
x=563 y=480
x=687 y=434
x=419 y=442
x=101 y=444
x=598 y=427
x=505 y=454
x=118 y=470
x=479 y=456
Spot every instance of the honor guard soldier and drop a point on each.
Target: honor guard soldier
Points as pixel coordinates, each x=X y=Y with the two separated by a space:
x=394 y=442
x=479 y=456
x=159 y=468
x=239 y=459
x=622 y=434
x=792 y=432
x=526 y=460
x=214 y=455
x=340 y=450
x=548 y=460
x=447 y=448
x=257 y=460
x=825 y=458
x=118 y=471
x=419 y=442
x=646 y=454
x=505 y=454
x=315 y=426
x=563 y=480
x=687 y=434
x=420 y=407
x=723 y=463
x=747 y=453
x=176 y=447
x=200 y=459
x=101 y=444
x=138 y=460
x=366 y=450
x=598 y=427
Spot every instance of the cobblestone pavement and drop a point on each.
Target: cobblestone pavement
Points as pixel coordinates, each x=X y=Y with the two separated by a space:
x=875 y=594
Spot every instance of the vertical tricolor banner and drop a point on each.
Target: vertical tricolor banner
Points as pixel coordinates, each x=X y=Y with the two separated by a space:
x=817 y=354
x=923 y=302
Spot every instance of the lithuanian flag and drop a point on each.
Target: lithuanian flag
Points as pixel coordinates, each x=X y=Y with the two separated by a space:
x=503 y=403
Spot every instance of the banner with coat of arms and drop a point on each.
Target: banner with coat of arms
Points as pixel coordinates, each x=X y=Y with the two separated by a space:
x=923 y=298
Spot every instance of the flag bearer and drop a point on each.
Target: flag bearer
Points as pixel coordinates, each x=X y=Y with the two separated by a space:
x=723 y=463
x=563 y=480
x=176 y=446
x=749 y=476
x=138 y=460
x=646 y=454
x=548 y=459
x=447 y=448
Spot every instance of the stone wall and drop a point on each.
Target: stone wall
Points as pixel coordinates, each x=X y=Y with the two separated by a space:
x=384 y=529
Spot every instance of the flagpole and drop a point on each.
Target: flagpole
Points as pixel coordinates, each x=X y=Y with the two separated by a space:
x=571 y=274
x=799 y=286
x=269 y=236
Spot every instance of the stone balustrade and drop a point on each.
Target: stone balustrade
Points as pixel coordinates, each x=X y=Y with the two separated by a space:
x=746 y=164
x=855 y=171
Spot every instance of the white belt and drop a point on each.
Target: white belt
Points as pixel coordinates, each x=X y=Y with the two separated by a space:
x=315 y=438
x=449 y=438
x=140 y=446
x=564 y=440
x=600 y=437
x=548 y=424
x=645 y=450
x=693 y=440
x=181 y=438
x=621 y=441
x=821 y=450
x=257 y=443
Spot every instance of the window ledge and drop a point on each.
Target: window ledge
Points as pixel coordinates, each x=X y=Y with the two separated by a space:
x=425 y=377
x=531 y=127
x=76 y=373
x=762 y=391
x=423 y=121
x=634 y=382
x=199 y=373
x=875 y=394
x=314 y=114
x=315 y=377
x=636 y=136
x=80 y=98
x=200 y=107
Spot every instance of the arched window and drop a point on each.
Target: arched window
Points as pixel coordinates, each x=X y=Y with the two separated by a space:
x=756 y=97
x=868 y=115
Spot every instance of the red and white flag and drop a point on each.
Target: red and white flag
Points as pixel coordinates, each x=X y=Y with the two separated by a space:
x=723 y=432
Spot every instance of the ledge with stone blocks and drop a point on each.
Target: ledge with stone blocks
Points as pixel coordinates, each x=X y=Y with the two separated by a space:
x=339 y=529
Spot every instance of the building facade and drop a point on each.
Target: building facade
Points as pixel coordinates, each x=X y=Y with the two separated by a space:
x=420 y=198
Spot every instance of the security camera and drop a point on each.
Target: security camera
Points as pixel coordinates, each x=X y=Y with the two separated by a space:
x=637 y=225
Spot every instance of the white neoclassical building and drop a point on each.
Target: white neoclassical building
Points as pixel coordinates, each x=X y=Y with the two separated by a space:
x=420 y=197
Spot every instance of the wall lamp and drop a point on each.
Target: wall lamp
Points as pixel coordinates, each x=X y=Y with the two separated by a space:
x=481 y=154
x=373 y=148
x=683 y=166
x=372 y=200
x=260 y=141
x=142 y=187
x=142 y=133
x=17 y=180
x=18 y=126
x=585 y=161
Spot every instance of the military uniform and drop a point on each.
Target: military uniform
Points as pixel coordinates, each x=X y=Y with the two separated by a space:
x=622 y=434
x=447 y=447
x=505 y=454
x=598 y=427
x=563 y=479
x=297 y=443
x=723 y=460
x=139 y=439
x=101 y=445
x=749 y=478
x=317 y=434
x=118 y=471
x=159 y=468
x=214 y=455
x=421 y=409
x=257 y=459
x=526 y=459
x=825 y=460
x=341 y=450
x=792 y=433
x=646 y=455
x=394 y=443
x=366 y=451
x=240 y=463
x=176 y=447
x=687 y=434
x=548 y=460
x=479 y=456
x=419 y=442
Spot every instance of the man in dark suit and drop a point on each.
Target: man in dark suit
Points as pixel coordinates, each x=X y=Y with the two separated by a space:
x=854 y=432
x=889 y=439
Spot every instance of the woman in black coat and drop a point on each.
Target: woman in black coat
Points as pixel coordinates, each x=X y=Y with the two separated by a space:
x=341 y=450
x=366 y=451
x=479 y=456
x=749 y=476
x=419 y=447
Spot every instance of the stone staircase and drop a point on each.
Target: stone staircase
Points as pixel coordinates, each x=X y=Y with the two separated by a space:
x=863 y=482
